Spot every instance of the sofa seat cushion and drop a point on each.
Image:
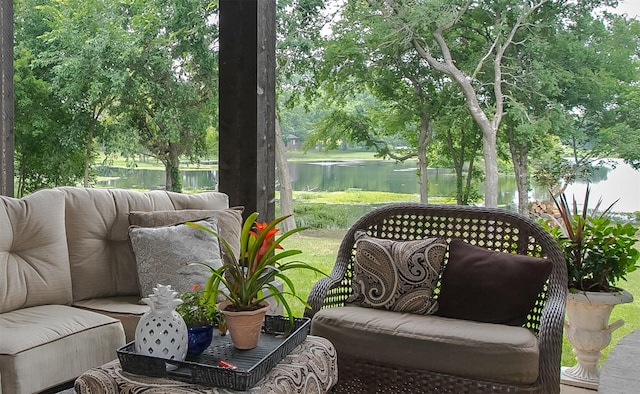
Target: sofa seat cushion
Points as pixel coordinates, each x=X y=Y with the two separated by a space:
x=127 y=309
x=35 y=340
x=464 y=348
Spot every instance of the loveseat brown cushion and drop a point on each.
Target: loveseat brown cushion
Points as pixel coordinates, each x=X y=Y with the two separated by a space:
x=484 y=351
x=490 y=286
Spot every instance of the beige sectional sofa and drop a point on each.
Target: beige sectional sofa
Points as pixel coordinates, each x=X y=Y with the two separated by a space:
x=68 y=282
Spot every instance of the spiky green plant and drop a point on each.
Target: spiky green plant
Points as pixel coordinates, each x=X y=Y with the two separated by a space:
x=244 y=278
x=599 y=252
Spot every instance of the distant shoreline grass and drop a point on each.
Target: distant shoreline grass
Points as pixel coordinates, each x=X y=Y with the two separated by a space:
x=149 y=163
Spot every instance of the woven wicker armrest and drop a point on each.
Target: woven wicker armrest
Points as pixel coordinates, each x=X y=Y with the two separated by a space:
x=334 y=290
x=320 y=297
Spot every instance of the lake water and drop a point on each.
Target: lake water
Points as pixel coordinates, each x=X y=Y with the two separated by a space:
x=623 y=182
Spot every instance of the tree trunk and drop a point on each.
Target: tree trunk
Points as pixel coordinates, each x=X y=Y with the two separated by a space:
x=521 y=170
x=490 y=154
x=286 y=192
x=424 y=138
x=172 y=170
x=489 y=141
x=488 y=127
x=168 y=181
x=87 y=157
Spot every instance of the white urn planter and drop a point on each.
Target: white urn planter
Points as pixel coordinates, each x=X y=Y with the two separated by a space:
x=588 y=330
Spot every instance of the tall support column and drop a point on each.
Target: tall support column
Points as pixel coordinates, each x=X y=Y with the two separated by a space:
x=6 y=98
x=247 y=104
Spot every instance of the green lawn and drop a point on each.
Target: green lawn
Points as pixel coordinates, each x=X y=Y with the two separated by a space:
x=320 y=248
x=313 y=155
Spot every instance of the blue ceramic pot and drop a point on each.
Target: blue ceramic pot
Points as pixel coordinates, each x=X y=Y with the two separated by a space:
x=199 y=339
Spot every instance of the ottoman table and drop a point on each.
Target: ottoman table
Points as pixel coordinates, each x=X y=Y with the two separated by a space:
x=311 y=367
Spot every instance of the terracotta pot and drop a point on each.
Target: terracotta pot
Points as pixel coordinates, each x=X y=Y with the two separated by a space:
x=588 y=330
x=244 y=327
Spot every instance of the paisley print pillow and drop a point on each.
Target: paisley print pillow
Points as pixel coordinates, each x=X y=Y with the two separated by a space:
x=397 y=275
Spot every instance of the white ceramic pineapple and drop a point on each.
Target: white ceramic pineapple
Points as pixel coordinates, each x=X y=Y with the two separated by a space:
x=161 y=332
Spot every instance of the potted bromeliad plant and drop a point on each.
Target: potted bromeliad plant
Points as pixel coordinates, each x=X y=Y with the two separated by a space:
x=246 y=280
x=599 y=253
x=200 y=317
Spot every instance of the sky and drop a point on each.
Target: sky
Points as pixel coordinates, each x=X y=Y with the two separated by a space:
x=629 y=7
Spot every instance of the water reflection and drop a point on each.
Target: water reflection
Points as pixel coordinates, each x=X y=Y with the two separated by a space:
x=620 y=182
x=376 y=175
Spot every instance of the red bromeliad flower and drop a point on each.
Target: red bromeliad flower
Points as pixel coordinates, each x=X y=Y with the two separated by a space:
x=266 y=242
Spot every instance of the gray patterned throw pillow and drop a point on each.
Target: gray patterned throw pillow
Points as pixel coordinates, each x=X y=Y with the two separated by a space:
x=164 y=255
x=397 y=275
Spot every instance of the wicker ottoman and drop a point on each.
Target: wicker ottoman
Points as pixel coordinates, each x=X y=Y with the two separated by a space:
x=310 y=368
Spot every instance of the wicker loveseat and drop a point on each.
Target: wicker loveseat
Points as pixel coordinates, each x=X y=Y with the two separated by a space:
x=389 y=351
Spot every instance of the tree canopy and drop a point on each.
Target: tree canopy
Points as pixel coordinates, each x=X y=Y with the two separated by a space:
x=548 y=86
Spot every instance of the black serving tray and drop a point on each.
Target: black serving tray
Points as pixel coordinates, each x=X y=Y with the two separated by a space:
x=251 y=364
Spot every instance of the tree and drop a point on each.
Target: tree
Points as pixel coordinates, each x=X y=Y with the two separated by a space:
x=458 y=142
x=286 y=191
x=129 y=74
x=87 y=51
x=432 y=28
x=299 y=25
x=628 y=126
x=171 y=97
x=595 y=60
x=360 y=60
x=47 y=151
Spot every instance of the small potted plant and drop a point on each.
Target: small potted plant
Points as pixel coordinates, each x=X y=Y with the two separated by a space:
x=200 y=316
x=246 y=281
x=599 y=253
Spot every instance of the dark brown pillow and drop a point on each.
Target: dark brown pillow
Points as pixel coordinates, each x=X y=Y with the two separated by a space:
x=490 y=286
x=397 y=275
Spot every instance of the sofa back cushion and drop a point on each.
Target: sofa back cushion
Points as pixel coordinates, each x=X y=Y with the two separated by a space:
x=34 y=263
x=97 y=222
